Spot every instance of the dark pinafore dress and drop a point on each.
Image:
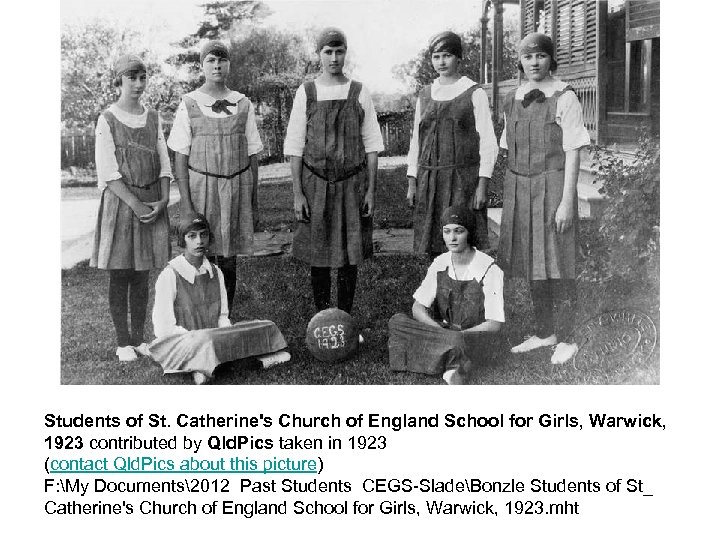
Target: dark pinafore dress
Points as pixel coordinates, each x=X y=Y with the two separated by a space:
x=530 y=246
x=221 y=183
x=421 y=348
x=334 y=180
x=197 y=308
x=121 y=241
x=448 y=167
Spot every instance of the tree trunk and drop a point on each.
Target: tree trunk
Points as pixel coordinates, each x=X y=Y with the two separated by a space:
x=279 y=125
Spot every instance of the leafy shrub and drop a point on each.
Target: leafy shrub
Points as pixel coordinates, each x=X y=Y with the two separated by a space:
x=626 y=241
x=495 y=186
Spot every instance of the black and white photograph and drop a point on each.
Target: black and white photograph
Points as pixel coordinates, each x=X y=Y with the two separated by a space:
x=359 y=269
x=360 y=192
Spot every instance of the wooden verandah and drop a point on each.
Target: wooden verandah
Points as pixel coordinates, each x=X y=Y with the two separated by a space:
x=608 y=51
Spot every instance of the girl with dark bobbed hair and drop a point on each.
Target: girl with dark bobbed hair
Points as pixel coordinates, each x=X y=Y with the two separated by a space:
x=457 y=307
x=190 y=317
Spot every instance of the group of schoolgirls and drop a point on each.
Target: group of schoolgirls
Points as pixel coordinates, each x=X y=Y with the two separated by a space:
x=333 y=140
x=459 y=305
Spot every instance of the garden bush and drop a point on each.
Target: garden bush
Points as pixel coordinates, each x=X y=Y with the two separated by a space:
x=626 y=241
x=495 y=186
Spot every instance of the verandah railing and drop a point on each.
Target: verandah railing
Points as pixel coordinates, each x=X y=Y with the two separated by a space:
x=584 y=86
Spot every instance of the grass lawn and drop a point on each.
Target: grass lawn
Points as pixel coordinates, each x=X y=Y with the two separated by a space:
x=276 y=203
x=268 y=286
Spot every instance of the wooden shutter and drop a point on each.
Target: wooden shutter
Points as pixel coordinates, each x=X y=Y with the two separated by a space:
x=591 y=31
x=546 y=27
x=576 y=32
x=528 y=24
x=537 y=23
x=562 y=32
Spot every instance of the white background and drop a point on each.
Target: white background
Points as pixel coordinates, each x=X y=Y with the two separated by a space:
x=679 y=465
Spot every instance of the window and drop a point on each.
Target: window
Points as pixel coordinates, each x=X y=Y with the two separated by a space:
x=615 y=5
x=539 y=19
x=632 y=73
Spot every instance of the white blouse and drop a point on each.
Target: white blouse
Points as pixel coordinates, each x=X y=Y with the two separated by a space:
x=492 y=284
x=163 y=314
x=105 y=161
x=297 y=125
x=483 y=124
x=569 y=114
x=180 y=138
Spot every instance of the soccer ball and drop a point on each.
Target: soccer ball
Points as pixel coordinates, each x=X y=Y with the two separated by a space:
x=332 y=335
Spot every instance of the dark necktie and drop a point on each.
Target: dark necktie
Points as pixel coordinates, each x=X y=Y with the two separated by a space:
x=221 y=105
x=533 y=95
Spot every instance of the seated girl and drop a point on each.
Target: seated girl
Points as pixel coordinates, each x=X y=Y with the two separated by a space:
x=457 y=307
x=190 y=315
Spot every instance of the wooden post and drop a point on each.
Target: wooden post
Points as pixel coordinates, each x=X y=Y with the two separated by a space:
x=497 y=53
x=483 y=46
x=553 y=23
x=646 y=73
x=601 y=70
x=628 y=58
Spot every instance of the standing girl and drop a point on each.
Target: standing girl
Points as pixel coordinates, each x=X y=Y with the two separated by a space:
x=453 y=148
x=216 y=141
x=333 y=139
x=544 y=133
x=134 y=175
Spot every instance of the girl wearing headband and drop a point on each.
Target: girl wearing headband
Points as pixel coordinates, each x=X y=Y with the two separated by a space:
x=333 y=139
x=544 y=133
x=216 y=142
x=193 y=330
x=132 y=233
x=452 y=150
x=458 y=307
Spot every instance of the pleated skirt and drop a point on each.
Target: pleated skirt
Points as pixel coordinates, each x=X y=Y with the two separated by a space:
x=530 y=246
x=204 y=350
x=437 y=190
x=227 y=205
x=337 y=234
x=420 y=348
x=121 y=241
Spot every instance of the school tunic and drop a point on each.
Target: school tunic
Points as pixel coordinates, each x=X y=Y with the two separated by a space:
x=220 y=179
x=192 y=328
x=121 y=241
x=334 y=179
x=457 y=305
x=529 y=245
x=453 y=144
